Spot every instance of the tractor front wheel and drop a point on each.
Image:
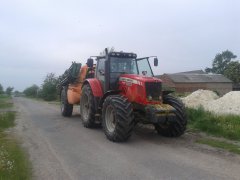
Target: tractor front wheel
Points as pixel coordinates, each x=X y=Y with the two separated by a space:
x=87 y=107
x=66 y=108
x=178 y=126
x=117 y=118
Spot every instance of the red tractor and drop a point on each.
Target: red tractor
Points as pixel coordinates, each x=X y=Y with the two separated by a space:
x=124 y=92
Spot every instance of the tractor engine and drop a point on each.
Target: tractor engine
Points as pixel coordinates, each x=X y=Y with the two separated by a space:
x=145 y=94
x=141 y=89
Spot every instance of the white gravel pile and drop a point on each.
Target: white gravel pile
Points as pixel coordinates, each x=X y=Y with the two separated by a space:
x=228 y=104
x=199 y=98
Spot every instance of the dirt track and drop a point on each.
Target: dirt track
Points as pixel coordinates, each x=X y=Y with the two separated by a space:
x=61 y=148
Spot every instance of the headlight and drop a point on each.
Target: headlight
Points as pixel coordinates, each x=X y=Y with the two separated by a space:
x=160 y=98
x=150 y=98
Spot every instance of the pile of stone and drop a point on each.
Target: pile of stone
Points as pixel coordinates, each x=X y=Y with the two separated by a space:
x=210 y=101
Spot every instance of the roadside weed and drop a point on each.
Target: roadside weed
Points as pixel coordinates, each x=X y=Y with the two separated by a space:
x=227 y=126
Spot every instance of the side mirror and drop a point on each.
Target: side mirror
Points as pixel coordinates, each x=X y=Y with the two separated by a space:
x=155 y=61
x=101 y=72
x=90 y=62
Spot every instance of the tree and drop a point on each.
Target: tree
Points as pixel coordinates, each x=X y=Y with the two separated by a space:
x=220 y=62
x=49 y=88
x=1 y=89
x=233 y=71
x=17 y=93
x=31 y=91
x=9 y=90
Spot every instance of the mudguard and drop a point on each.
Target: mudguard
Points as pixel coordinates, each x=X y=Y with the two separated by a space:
x=95 y=85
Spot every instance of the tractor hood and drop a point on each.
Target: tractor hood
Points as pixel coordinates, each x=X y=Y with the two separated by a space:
x=139 y=78
x=140 y=89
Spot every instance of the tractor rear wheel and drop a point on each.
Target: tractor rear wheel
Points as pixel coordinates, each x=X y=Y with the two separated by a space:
x=117 y=118
x=87 y=107
x=66 y=108
x=174 y=128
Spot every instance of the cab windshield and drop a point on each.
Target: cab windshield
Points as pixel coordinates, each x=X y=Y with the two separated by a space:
x=123 y=65
x=130 y=66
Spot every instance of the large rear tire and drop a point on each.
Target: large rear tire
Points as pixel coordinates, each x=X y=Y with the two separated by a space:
x=66 y=108
x=87 y=107
x=117 y=118
x=174 y=128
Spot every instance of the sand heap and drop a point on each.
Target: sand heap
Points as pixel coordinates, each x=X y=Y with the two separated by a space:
x=199 y=98
x=228 y=104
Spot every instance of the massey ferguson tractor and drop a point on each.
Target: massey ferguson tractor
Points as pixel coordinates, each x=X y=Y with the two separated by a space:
x=121 y=93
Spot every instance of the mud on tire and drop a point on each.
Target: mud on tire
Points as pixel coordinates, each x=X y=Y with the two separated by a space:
x=87 y=107
x=117 y=118
x=66 y=108
x=175 y=128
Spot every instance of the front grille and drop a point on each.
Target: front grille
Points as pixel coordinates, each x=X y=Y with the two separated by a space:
x=153 y=89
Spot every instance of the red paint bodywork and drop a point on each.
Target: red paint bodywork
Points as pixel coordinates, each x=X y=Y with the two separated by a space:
x=136 y=91
x=133 y=87
x=95 y=86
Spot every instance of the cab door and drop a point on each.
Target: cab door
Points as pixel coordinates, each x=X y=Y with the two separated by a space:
x=100 y=73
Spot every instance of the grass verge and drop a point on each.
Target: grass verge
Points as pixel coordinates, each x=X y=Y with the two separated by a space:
x=14 y=163
x=227 y=126
x=6 y=120
x=5 y=101
x=220 y=144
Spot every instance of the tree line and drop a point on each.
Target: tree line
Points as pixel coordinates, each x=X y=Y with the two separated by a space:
x=47 y=91
x=8 y=90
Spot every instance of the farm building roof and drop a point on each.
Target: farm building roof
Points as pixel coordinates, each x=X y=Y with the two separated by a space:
x=197 y=77
x=192 y=72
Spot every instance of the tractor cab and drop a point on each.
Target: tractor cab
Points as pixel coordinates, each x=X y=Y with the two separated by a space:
x=115 y=64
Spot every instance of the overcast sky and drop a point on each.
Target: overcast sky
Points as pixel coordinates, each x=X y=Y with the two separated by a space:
x=43 y=36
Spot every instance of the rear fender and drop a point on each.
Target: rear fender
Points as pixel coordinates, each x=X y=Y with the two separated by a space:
x=95 y=85
x=97 y=90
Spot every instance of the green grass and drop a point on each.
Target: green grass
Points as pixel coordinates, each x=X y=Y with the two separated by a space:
x=14 y=163
x=7 y=120
x=220 y=144
x=227 y=126
x=5 y=101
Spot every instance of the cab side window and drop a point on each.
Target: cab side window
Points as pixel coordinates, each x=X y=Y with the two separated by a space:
x=101 y=68
x=100 y=73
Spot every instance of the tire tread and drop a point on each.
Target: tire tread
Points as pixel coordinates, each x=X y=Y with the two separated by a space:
x=124 y=117
x=177 y=128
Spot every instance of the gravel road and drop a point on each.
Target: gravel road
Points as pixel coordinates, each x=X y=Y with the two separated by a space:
x=61 y=148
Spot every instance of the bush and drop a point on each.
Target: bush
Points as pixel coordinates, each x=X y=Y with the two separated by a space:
x=31 y=91
x=48 y=91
